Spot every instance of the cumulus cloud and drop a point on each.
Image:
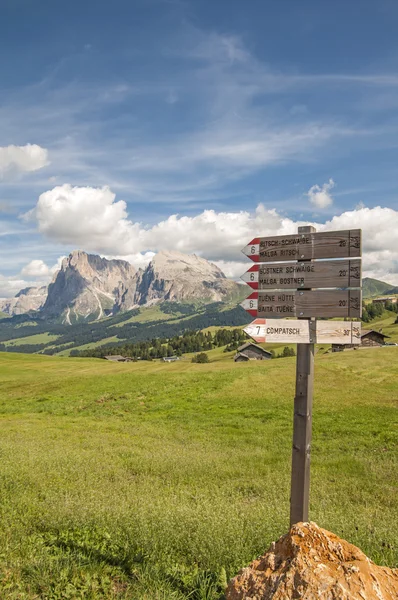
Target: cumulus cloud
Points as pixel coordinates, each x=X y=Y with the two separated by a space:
x=9 y=286
x=36 y=268
x=84 y=216
x=35 y=274
x=23 y=158
x=320 y=196
x=92 y=219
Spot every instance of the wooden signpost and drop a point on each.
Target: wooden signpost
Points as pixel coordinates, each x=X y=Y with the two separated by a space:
x=306 y=245
x=304 y=331
x=304 y=303
x=300 y=289
x=321 y=274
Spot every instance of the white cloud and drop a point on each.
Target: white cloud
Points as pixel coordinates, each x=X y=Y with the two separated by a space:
x=9 y=286
x=23 y=158
x=92 y=219
x=84 y=216
x=320 y=196
x=36 y=268
x=140 y=259
x=34 y=274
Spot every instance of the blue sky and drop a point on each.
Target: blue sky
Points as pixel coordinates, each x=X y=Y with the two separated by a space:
x=242 y=118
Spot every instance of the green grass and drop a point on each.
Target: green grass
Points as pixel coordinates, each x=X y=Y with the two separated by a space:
x=387 y=324
x=146 y=315
x=159 y=481
x=38 y=338
x=26 y=324
x=108 y=340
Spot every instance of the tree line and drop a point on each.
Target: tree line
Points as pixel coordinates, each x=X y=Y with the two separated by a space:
x=375 y=310
x=188 y=342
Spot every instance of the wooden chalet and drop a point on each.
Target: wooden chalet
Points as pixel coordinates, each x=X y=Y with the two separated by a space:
x=118 y=358
x=170 y=358
x=369 y=338
x=239 y=357
x=251 y=351
x=385 y=299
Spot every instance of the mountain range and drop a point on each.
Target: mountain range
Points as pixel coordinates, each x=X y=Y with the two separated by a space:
x=88 y=287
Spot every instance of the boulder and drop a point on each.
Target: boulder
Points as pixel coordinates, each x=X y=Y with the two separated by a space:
x=310 y=563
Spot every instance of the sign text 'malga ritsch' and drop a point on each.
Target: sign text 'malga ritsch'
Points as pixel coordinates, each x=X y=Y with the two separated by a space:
x=328 y=244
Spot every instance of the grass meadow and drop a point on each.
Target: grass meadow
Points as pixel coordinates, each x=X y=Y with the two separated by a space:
x=158 y=481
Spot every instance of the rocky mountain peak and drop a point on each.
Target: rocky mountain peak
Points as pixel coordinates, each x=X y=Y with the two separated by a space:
x=310 y=562
x=88 y=286
x=178 y=277
x=173 y=262
x=27 y=300
x=87 y=263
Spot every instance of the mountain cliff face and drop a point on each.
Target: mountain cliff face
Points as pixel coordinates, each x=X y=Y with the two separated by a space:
x=27 y=300
x=87 y=286
x=90 y=287
x=178 y=277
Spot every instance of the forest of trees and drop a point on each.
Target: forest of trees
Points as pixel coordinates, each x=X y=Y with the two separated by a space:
x=375 y=310
x=192 y=319
x=83 y=333
x=190 y=341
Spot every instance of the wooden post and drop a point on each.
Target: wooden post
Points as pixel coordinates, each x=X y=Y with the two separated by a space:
x=302 y=427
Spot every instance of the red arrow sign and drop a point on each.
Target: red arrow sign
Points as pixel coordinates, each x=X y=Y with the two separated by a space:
x=252 y=250
x=250 y=304
x=251 y=277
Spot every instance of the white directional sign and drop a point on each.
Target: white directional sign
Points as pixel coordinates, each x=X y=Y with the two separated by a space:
x=292 y=331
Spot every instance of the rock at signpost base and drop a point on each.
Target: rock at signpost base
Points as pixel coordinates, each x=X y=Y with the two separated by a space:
x=310 y=563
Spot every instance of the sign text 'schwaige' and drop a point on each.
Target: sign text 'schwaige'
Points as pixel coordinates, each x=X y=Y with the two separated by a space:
x=329 y=244
x=321 y=274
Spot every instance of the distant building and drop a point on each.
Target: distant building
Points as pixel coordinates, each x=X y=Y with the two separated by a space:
x=251 y=351
x=118 y=358
x=239 y=357
x=369 y=338
x=385 y=299
x=170 y=358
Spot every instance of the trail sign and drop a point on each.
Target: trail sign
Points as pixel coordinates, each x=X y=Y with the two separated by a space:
x=321 y=274
x=305 y=246
x=304 y=331
x=305 y=304
x=289 y=289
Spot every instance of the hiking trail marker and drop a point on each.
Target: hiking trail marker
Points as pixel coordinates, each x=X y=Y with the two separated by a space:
x=305 y=285
x=304 y=331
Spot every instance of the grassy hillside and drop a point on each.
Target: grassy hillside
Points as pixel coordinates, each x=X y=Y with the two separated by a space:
x=39 y=338
x=386 y=323
x=158 y=481
x=374 y=287
x=163 y=320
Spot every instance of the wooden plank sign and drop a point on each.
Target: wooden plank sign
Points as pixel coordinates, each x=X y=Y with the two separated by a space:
x=305 y=304
x=305 y=246
x=293 y=331
x=321 y=274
